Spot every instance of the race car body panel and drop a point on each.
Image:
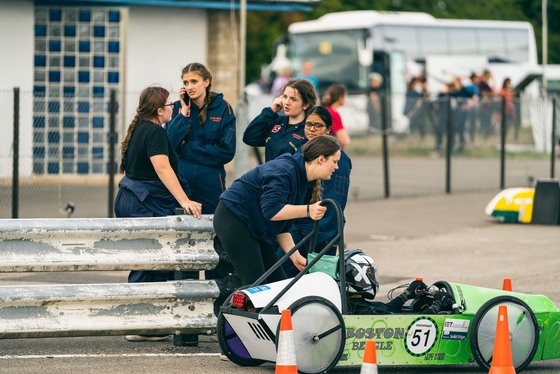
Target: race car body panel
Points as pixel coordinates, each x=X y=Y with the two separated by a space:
x=312 y=284
x=512 y=205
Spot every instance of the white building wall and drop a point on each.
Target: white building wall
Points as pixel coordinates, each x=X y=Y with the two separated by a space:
x=159 y=43
x=16 y=70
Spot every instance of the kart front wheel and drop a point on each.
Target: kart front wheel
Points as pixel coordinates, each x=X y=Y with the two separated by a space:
x=523 y=332
x=319 y=334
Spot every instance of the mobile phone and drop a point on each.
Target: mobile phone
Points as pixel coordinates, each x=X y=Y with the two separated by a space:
x=187 y=99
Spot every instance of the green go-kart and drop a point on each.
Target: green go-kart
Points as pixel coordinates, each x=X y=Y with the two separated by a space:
x=327 y=336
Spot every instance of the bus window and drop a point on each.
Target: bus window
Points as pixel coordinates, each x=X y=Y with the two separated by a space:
x=491 y=44
x=433 y=41
x=334 y=56
x=517 y=45
x=462 y=42
x=401 y=39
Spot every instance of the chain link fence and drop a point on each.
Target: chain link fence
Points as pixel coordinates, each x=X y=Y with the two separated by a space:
x=64 y=155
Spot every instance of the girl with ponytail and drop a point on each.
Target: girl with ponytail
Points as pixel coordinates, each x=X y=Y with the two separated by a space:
x=202 y=132
x=151 y=186
x=257 y=210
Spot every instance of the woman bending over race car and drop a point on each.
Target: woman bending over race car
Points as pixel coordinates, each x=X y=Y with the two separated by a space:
x=362 y=286
x=259 y=207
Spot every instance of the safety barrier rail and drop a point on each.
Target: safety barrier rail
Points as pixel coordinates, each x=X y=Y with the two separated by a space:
x=178 y=243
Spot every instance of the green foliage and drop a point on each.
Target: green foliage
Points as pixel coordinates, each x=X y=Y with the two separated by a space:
x=263 y=28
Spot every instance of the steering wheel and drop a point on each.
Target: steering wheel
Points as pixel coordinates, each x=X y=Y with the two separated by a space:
x=426 y=298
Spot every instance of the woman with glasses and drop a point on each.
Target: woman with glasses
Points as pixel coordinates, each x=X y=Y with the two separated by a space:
x=151 y=186
x=283 y=133
x=319 y=122
x=202 y=132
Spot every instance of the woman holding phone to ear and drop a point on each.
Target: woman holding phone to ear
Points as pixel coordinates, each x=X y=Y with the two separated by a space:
x=202 y=132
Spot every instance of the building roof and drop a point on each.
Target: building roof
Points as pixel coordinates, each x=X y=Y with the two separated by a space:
x=276 y=5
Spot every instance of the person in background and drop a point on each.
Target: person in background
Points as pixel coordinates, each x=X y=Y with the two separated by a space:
x=486 y=103
x=283 y=75
x=507 y=93
x=202 y=132
x=319 y=122
x=374 y=102
x=335 y=98
x=151 y=186
x=307 y=73
x=473 y=113
x=413 y=106
x=282 y=133
x=257 y=209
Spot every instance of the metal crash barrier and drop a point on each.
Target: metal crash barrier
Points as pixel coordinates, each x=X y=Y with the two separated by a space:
x=178 y=243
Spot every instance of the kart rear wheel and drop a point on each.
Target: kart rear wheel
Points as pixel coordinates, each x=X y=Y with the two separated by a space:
x=231 y=345
x=523 y=332
x=319 y=334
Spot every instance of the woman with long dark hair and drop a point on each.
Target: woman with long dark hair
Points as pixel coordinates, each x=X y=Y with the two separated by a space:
x=151 y=186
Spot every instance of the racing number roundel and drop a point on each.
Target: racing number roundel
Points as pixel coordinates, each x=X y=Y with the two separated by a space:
x=421 y=336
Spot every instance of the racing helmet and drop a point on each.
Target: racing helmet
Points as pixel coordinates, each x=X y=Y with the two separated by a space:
x=361 y=274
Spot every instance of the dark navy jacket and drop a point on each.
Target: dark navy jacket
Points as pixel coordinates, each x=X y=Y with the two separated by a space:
x=273 y=132
x=261 y=193
x=204 y=150
x=335 y=188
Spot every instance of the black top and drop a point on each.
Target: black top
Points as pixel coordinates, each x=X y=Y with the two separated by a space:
x=148 y=139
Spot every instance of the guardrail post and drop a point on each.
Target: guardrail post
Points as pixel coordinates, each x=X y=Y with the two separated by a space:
x=185 y=340
x=15 y=167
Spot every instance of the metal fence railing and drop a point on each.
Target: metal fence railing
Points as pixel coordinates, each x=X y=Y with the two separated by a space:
x=449 y=146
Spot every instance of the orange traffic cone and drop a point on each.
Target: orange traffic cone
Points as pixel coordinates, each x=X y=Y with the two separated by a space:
x=286 y=355
x=501 y=360
x=369 y=364
x=507 y=284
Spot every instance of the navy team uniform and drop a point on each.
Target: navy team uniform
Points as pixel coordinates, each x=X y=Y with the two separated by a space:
x=273 y=132
x=242 y=218
x=204 y=149
x=335 y=188
x=141 y=192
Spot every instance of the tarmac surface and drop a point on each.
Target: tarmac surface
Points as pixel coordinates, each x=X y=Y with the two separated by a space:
x=443 y=237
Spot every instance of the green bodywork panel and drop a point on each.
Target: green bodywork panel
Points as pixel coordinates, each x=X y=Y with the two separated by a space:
x=414 y=339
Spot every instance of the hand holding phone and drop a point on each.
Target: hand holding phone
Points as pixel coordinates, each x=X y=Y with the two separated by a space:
x=277 y=104
x=185 y=102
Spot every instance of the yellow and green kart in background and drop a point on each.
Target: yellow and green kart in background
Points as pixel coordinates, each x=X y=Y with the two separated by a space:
x=539 y=205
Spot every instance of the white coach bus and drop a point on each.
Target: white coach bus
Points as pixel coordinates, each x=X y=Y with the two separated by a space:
x=346 y=47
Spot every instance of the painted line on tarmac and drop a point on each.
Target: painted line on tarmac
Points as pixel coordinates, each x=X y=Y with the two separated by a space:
x=102 y=355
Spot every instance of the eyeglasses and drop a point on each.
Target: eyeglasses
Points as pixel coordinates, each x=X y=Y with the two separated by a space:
x=170 y=104
x=316 y=126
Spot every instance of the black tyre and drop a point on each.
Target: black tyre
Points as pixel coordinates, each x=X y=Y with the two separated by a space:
x=319 y=334
x=523 y=332
x=231 y=345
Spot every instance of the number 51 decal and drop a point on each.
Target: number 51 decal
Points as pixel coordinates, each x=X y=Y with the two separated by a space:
x=421 y=336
